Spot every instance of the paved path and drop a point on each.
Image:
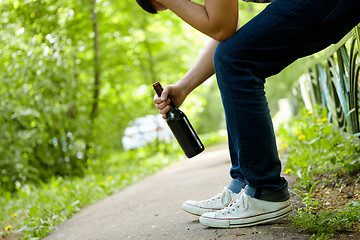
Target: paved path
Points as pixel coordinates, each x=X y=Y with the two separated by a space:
x=151 y=208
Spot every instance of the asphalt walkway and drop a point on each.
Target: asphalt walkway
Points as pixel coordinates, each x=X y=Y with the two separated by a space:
x=151 y=208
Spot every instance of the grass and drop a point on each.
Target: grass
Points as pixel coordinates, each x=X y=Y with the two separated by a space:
x=321 y=156
x=327 y=224
x=35 y=210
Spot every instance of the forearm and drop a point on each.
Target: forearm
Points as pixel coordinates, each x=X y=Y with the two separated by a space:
x=216 y=18
x=202 y=69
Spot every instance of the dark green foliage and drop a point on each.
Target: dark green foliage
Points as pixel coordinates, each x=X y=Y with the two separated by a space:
x=47 y=82
x=75 y=73
x=313 y=146
x=40 y=131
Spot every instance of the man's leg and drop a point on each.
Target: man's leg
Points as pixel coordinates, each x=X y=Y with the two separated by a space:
x=285 y=31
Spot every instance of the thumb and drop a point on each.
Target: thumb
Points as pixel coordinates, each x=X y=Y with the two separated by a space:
x=165 y=93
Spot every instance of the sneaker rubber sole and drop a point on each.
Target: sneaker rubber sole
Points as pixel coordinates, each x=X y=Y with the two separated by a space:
x=217 y=222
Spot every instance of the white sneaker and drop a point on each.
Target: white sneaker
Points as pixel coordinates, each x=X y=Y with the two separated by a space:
x=246 y=211
x=215 y=203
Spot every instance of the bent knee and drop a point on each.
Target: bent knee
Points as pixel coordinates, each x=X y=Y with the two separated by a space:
x=221 y=55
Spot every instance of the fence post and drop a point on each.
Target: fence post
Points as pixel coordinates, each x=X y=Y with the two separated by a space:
x=333 y=79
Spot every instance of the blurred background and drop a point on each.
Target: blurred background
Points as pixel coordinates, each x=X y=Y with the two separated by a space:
x=76 y=87
x=76 y=76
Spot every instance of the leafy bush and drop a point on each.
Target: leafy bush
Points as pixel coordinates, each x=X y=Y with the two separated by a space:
x=314 y=145
x=47 y=71
x=35 y=210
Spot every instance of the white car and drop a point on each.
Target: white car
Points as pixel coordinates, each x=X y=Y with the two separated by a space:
x=145 y=130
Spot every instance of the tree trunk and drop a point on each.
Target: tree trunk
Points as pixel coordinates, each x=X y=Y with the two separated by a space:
x=95 y=105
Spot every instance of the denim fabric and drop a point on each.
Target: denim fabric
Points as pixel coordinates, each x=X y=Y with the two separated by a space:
x=237 y=185
x=285 y=31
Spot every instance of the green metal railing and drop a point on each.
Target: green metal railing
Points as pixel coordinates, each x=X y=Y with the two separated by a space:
x=332 y=80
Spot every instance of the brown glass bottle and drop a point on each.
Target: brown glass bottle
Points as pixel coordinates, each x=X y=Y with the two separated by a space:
x=181 y=128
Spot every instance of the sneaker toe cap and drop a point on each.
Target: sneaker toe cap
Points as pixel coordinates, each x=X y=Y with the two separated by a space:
x=211 y=220
x=191 y=207
x=197 y=208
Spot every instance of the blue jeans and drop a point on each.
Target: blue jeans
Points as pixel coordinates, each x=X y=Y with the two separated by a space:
x=285 y=31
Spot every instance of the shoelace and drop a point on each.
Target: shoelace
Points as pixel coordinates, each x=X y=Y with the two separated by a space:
x=241 y=200
x=224 y=196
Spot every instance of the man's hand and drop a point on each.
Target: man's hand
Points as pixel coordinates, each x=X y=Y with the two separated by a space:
x=174 y=92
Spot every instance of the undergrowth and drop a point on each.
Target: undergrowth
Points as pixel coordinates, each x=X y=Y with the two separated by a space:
x=35 y=210
x=314 y=146
x=326 y=224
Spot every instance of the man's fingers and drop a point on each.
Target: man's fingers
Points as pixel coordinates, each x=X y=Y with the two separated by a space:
x=163 y=104
x=164 y=110
x=157 y=99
